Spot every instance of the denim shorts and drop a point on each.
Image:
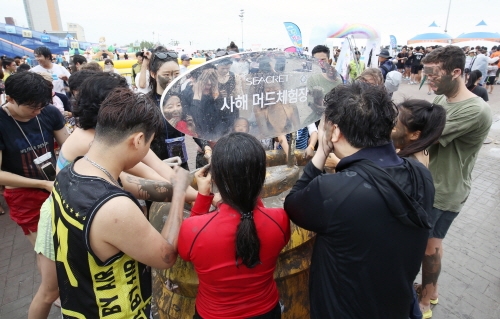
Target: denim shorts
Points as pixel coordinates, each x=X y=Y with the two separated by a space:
x=441 y=222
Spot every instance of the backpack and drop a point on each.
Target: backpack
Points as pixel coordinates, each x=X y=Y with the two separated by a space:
x=392 y=79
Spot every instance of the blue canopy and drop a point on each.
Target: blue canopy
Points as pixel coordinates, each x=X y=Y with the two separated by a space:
x=480 y=32
x=432 y=33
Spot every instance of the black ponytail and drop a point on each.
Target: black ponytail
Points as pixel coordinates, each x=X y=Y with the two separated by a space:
x=239 y=169
x=420 y=115
x=473 y=77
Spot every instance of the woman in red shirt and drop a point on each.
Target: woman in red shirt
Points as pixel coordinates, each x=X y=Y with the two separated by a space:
x=234 y=249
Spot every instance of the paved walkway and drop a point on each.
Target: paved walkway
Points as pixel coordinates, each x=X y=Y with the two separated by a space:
x=470 y=277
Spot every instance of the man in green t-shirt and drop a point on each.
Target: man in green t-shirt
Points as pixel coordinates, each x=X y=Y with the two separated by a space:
x=320 y=84
x=452 y=158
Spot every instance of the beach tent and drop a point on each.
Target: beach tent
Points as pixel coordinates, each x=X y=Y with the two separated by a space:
x=433 y=35
x=481 y=35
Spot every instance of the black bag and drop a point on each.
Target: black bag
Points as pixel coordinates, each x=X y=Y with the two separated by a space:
x=467 y=70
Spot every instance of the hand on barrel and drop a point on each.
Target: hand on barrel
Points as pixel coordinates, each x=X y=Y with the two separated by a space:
x=204 y=180
x=180 y=180
x=309 y=152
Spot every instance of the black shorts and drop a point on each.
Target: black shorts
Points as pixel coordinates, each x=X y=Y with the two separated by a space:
x=440 y=221
x=490 y=80
x=415 y=69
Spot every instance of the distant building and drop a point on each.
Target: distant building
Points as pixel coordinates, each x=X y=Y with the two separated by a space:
x=43 y=15
x=75 y=28
x=10 y=21
x=63 y=34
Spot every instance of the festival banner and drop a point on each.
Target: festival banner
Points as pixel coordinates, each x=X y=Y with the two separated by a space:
x=27 y=34
x=44 y=38
x=274 y=96
x=294 y=34
x=10 y=29
x=370 y=54
x=63 y=43
x=394 y=43
x=344 y=58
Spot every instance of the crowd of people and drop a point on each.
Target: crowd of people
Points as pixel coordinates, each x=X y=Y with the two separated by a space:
x=84 y=154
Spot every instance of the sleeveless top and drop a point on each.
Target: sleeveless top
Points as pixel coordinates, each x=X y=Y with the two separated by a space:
x=119 y=287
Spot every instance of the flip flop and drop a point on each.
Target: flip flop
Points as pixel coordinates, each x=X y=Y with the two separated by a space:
x=427 y=314
x=434 y=301
x=2 y=213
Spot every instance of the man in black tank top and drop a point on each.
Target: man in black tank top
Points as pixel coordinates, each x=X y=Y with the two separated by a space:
x=102 y=240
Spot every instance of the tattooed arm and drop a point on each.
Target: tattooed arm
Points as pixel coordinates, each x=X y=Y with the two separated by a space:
x=156 y=191
x=134 y=235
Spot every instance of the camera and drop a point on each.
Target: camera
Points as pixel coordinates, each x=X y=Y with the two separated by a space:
x=45 y=166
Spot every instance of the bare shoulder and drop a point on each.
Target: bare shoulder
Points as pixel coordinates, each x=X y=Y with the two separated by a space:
x=120 y=214
x=119 y=208
x=77 y=144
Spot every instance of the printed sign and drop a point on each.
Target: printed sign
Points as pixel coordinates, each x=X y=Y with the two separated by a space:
x=265 y=94
x=63 y=43
x=74 y=45
x=45 y=38
x=10 y=29
x=27 y=34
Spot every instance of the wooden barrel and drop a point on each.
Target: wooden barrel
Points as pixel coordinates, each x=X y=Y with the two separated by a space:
x=174 y=289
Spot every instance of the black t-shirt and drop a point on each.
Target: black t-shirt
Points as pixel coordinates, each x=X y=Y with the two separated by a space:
x=409 y=61
x=402 y=55
x=17 y=156
x=481 y=92
x=417 y=57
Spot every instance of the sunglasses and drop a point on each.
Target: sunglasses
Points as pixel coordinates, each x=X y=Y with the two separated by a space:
x=164 y=55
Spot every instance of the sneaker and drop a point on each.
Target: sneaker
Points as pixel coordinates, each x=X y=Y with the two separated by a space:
x=429 y=93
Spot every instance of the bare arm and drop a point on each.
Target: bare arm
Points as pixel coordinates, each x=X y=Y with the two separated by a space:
x=14 y=180
x=309 y=153
x=144 y=171
x=142 y=74
x=284 y=144
x=153 y=190
x=157 y=165
x=61 y=135
x=133 y=234
x=313 y=139
x=166 y=172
